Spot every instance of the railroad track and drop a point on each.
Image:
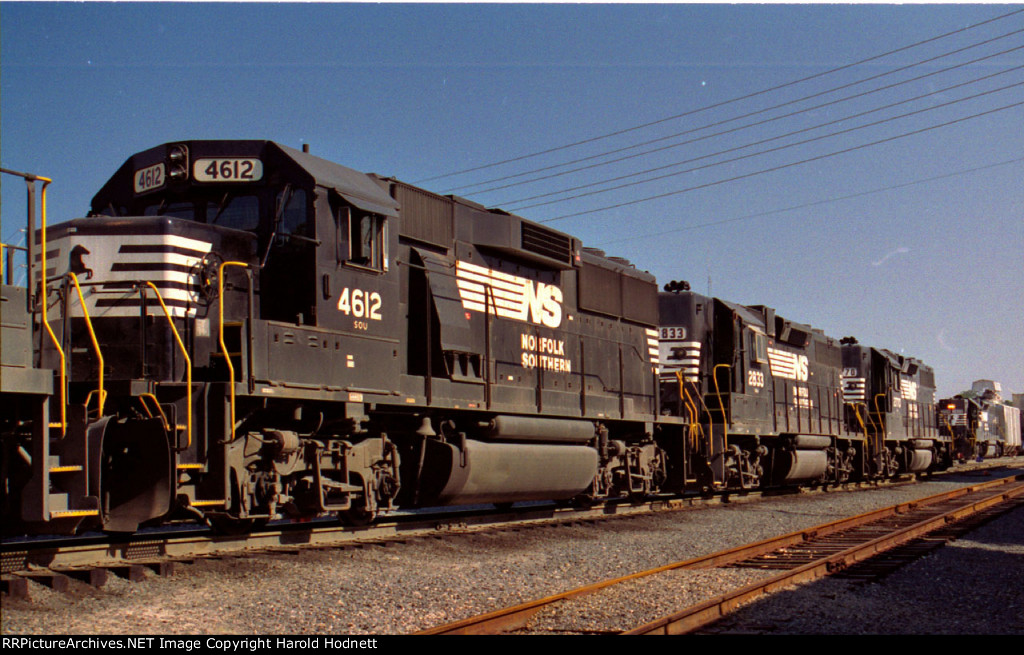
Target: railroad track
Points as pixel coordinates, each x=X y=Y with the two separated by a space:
x=850 y=545
x=89 y=558
x=92 y=559
x=68 y=555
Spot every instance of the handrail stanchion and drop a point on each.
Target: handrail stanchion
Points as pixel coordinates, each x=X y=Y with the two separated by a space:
x=223 y=346
x=188 y=360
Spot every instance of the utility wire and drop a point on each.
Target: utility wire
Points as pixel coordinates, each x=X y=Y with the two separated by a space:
x=816 y=203
x=724 y=102
x=511 y=204
x=730 y=120
x=763 y=152
x=784 y=166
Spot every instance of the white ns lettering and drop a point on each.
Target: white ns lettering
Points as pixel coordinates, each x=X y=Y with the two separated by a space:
x=545 y=304
x=801 y=368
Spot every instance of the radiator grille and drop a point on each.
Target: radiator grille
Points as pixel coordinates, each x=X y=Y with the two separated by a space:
x=545 y=242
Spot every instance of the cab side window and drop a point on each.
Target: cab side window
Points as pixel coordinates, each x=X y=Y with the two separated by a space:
x=367 y=240
x=758 y=347
x=361 y=238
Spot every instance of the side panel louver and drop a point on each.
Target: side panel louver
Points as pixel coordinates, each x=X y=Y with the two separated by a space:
x=425 y=217
x=547 y=243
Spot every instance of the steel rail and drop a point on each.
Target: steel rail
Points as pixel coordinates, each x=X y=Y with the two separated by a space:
x=517 y=616
x=18 y=555
x=714 y=609
x=98 y=549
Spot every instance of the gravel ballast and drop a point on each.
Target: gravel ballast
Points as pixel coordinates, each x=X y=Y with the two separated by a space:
x=405 y=587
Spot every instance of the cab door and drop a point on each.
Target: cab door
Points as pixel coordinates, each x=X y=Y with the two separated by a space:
x=287 y=279
x=357 y=294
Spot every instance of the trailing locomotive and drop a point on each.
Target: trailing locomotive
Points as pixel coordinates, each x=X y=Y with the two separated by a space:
x=891 y=398
x=240 y=331
x=764 y=391
x=981 y=425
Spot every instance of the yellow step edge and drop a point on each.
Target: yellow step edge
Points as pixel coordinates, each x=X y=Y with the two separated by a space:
x=72 y=513
x=66 y=469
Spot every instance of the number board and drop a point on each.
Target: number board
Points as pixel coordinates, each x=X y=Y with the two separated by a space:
x=149 y=178
x=227 y=169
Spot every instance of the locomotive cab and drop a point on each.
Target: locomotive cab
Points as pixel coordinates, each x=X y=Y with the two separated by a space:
x=317 y=226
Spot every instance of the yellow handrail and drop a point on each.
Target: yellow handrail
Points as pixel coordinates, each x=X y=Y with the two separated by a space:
x=159 y=409
x=880 y=435
x=863 y=425
x=223 y=346
x=188 y=361
x=696 y=429
x=718 y=393
x=46 y=323
x=95 y=343
x=856 y=412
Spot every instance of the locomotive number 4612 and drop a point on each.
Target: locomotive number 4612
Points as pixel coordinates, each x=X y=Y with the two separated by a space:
x=149 y=178
x=227 y=170
x=360 y=304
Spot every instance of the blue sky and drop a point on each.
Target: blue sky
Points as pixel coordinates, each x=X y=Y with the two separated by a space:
x=913 y=244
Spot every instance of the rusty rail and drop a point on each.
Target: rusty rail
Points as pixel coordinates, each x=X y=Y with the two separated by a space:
x=710 y=611
x=517 y=616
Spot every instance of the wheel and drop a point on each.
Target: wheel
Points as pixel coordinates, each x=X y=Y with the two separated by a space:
x=230 y=526
x=357 y=515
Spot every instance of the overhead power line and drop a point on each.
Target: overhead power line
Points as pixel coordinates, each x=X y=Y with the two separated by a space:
x=785 y=166
x=761 y=152
x=724 y=102
x=511 y=204
x=736 y=118
x=816 y=203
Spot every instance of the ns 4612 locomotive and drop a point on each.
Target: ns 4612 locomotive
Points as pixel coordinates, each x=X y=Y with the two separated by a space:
x=241 y=331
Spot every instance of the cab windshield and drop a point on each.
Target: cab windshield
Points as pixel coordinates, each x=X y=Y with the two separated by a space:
x=239 y=212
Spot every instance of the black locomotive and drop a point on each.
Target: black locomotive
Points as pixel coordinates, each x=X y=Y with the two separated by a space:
x=981 y=424
x=240 y=331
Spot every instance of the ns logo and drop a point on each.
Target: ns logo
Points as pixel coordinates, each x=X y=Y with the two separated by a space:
x=801 y=368
x=483 y=289
x=545 y=303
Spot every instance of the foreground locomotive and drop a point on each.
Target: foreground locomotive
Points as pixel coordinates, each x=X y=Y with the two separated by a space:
x=266 y=334
x=241 y=331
